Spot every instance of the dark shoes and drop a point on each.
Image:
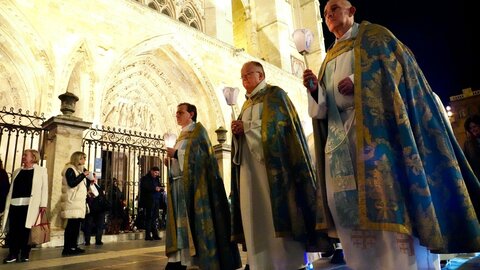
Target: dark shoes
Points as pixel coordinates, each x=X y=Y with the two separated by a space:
x=337 y=257
x=73 y=251
x=97 y=243
x=247 y=267
x=10 y=259
x=156 y=237
x=328 y=253
x=175 y=266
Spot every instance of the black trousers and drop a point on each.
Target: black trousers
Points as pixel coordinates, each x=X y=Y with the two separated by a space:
x=163 y=220
x=72 y=231
x=18 y=235
x=94 y=220
x=151 y=218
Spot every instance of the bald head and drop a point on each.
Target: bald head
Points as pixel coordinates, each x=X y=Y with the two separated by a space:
x=252 y=74
x=338 y=16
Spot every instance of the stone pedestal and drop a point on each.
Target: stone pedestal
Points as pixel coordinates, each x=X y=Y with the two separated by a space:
x=223 y=155
x=65 y=135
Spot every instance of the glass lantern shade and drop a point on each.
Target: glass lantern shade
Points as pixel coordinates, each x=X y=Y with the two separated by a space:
x=231 y=94
x=169 y=139
x=303 y=39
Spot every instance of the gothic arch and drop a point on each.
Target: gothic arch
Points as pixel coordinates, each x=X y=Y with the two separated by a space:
x=244 y=27
x=149 y=81
x=77 y=77
x=26 y=75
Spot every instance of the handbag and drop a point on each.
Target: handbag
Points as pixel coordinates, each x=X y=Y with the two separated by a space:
x=40 y=231
x=99 y=204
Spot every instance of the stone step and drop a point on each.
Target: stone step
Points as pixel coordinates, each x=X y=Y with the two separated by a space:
x=56 y=237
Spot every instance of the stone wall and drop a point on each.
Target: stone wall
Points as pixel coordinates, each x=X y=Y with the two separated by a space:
x=128 y=64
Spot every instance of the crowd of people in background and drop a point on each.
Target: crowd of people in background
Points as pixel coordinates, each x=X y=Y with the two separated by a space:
x=85 y=206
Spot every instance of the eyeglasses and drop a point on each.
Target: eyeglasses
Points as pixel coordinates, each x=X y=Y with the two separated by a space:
x=244 y=76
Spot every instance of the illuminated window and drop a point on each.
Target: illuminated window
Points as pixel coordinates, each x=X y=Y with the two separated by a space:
x=163 y=6
x=190 y=17
x=152 y=6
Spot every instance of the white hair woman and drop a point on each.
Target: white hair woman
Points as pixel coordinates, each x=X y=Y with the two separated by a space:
x=27 y=198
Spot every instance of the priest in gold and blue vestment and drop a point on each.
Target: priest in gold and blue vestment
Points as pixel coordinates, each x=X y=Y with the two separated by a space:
x=198 y=215
x=398 y=185
x=273 y=183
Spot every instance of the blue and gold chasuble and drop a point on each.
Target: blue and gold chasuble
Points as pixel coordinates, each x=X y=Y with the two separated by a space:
x=207 y=226
x=290 y=173
x=410 y=174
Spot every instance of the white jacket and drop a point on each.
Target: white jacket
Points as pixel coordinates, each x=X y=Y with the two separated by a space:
x=38 y=197
x=73 y=200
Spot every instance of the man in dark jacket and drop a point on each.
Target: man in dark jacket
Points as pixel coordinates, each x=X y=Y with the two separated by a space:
x=472 y=144
x=117 y=214
x=163 y=207
x=149 y=201
x=4 y=186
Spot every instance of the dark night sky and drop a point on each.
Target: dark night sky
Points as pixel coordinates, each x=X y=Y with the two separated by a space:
x=440 y=34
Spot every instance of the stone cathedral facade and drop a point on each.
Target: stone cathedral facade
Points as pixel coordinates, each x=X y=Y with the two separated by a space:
x=131 y=62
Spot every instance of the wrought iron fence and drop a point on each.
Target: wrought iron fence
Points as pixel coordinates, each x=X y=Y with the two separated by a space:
x=119 y=158
x=19 y=131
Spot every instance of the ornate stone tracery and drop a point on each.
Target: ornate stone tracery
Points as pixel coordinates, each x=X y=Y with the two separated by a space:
x=9 y=88
x=23 y=54
x=163 y=6
x=133 y=99
x=171 y=60
x=189 y=12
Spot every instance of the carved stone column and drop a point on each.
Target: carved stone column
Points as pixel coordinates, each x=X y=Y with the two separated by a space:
x=274 y=31
x=65 y=135
x=223 y=155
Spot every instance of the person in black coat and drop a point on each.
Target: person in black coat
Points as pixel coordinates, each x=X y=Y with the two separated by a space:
x=4 y=186
x=471 y=147
x=163 y=207
x=116 y=216
x=96 y=218
x=150 y=201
